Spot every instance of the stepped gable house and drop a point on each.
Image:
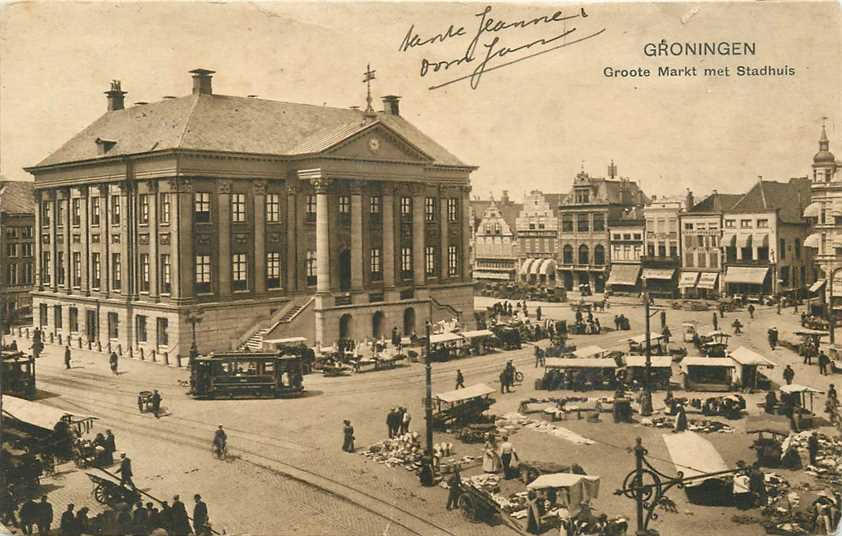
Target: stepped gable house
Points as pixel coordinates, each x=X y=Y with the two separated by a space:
x=267 y=219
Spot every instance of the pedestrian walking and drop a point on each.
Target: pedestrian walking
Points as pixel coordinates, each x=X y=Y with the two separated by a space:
x=156 y=403
x=789 y=375
x=454 y=488
x=504 y=381
x=460 y=379
x=67 y=356
x=537 y=356
x=813 y=447
x=140 y=517
x=773 y=337
x=406 y=418
x=8 y=506
x=28 y=516
x=390 y=422
x=738 y=326
x=83 y=524
x=113 y=360
x=125 y=471
x=348 y=436
x=757 y=485
x=779 y=306
x=44 y=515
x=200 y=517
x=67 y=525
x=666 y=334
x=165 y=517
x=751 y=311
x=110 y=447
x=507 y=452
x=538 y=313
x=680 y=420
x=180 y=522
x=824 y=361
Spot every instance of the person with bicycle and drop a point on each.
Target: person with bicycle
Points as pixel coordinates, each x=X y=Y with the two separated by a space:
x=219 y=440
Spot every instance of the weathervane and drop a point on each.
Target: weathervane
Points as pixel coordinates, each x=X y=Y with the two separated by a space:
x=368 y=77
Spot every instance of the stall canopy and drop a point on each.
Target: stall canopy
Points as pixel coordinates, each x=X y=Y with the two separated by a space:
x=694 y=455
x=811 y=333
x=524 y=268
x=658 y=273
x=657 y=361
x=753 y=275
x=477 y=333
x=707 y=362
x=548 y=267
x=744 y=356
x=624 y=274
x=445 y=337
x=641 y=339
x=688 y=279
x=41 y=415
x=708 y=280
x=776 y=424
x=580 y=489
x=589 y=351
x=458 y=395
x=287 y=340
x=818 y=285
x=561 y=362
x=797 y=388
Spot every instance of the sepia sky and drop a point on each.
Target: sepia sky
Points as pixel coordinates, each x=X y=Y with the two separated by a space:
x=527 y=125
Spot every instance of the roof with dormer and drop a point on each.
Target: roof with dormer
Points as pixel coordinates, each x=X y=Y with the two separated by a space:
x=789 y=198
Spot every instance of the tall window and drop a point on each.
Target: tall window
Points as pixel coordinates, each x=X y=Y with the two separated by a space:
x=77 y=269
x=202 y=273
x=96 y=271
x=165 y=207
x=374 y=203
x=406 y=262
x=76 y=211
x=113 y=326
x=782 y=251
x=599 y=222
x=143 y=217
x=238 y=208
x=567 y=254
x=567 y=223
x=46 y=270
x=115 y=210
x=42 y=314
x=239 y=271
x=12 y=274
x=166 y=274
x=11 y=250
x=60 y=268
x=273 y=208
x=310 y=208
x=311 y=268
x=406 y=207
x=144 y=272
x=116 y=272
x=57 y=318
x=140 y=328
x=452 y=260
x=73 y=314
x=273 y=270
x=430 y=209
x=46 y=213
x=27 y=273
x=344 y=204
x=430 y=260
x=60 y=212
x=584 y=254
x=95 y=211
x=452 y=209
x=375 y=267
x=201 y=207
x=162 y=326
x=599 y=255
x=582 y=223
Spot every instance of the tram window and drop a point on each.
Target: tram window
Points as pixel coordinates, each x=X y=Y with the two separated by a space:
x=268 y=367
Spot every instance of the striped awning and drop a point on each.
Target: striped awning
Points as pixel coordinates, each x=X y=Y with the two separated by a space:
x=746 y=274
x=708 y=280
x=624 y=274
x=688 y=279
x=813 y=241
x=818 y=285
x=813 y=210
x=729 y=239
x=548 y=267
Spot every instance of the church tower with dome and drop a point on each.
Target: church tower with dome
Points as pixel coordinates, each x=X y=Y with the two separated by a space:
x=824 y=163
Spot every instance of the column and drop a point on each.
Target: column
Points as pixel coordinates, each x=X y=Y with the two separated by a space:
x=85 y=247
x=321 y=187
x=294 y=225
x=181 y=239
x=259 y=188
x=418 y=264
x=388 y=253
x=443 y=229
x=52 y=229
x=224 y=230
x=154 y=257
x=37 y=245
x=66 y=242
x=356 y=236
x=465 y=233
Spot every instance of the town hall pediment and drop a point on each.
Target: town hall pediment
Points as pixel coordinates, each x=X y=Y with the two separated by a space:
x=378 y=143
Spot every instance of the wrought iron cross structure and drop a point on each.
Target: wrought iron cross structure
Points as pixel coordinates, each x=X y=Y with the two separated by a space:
x=368 y=76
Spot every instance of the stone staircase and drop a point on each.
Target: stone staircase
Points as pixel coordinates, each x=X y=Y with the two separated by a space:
x=286 y=315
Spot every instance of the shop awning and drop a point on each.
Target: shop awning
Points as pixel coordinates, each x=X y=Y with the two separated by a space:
x=535 y=267
x=473 y=391
x=813 y=241
x=761 y=240
x=777 y=424
x=744 y=356
x=658 y=273
x=593 y=362
x=797 y=388
x=746 y=274
x=548 y=267
x=496 y=276
x=444 y=337
x=694 y=455
x=477 y=333
x=624 y=274
x=708 y=280
x=729 y=238
x=524 y=268
x=688 y=279
x=743 y=240
x=813 y=210
x=655 y=361
x=818 y=285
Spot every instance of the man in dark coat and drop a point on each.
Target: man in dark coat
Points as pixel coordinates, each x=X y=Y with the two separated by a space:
x=44 y=516
x=396 y=337
x=813 y=447
x=165 y=517
x=153 y=520
x=113 y=361
x=348 y=436
x=824 y=361
x=156 y=403
x=140 y=517
x=789 y=375
x=180 y=523
x=200 y=516
x=28 y=516
x=125 y=471
x=454 y=486
x=67 y=526
x=460 y=379
x=110 y=447
x=67 y=355
x=757 y=485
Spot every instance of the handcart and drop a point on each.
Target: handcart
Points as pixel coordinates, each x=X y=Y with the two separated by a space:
x=111 y=493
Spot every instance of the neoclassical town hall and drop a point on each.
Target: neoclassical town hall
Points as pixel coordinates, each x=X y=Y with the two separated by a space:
x=263 y=219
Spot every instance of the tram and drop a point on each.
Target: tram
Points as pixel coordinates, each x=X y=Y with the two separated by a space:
x=17 y=374
x=244 y=374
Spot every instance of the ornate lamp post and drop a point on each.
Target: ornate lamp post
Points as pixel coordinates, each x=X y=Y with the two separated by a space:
x=646 y=402
x=194 y=316
x=428 y=401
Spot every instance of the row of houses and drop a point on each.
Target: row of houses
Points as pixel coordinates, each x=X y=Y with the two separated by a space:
x=606 y=234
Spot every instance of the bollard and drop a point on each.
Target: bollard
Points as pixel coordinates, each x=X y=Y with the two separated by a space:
x=27 y=333
x=89 y=344
x=131 y=354
x=51 y=338
x=140 y=349
x=119 y=349
x=108 y=348
x=98 y=346
x=80 y=343
x=154 y=355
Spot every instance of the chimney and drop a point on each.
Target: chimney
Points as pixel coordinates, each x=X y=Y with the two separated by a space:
x=612 y=170
x=505 y=198
x=202 y=81
x=116 y=96
x=390 y=105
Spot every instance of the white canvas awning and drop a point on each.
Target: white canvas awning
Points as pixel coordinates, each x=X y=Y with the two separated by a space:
x=641 y=339
x=746 y=274
x=818 y=285
x=473 y=391
x=745 y=356
x=694 y=455
x=707 y=280
x=743 y=240
x=656 y=361
x=813 y=241
x=798 y=388
x=707 y=362
x=761 y=240
x=593 y=362
x=548 y=267
x=40 y=415
x=813 y=210
x=589 y=351
x=445 y=337
x=477 y=333
x=688 y=279
x=624 y=274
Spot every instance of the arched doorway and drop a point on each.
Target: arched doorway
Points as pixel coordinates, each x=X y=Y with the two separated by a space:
x=408 y=321
x=345 y=269
x=377 y=325
x=346 y=325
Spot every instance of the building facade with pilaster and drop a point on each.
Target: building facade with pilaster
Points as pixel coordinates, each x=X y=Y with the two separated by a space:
x=265 y=219
x=17 y=251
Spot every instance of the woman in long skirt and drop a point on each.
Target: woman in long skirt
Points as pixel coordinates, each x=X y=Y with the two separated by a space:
x=491 y=459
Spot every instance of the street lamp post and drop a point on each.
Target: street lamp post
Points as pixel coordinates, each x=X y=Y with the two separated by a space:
x=194 y=317
x=428 y=401
x=646 y=402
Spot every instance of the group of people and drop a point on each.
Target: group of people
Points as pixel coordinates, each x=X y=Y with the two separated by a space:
x=497 y=458
x=621 y=323
x=586 y=326
x=397 y=421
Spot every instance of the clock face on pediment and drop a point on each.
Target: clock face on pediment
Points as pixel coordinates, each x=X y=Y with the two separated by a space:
x=374 y=144
x=379 y=143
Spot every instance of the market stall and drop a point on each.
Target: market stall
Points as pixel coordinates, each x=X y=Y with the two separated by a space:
x=480 y=341
x=443 y=346
x=708 y=373
x=694 y=456
x=771 y=430
x=657 y=344
x=592 y=351
x=462 y=406
x=688 y=330
x=579 y=373
x=747 y=363
x=799 y=396
x=660 y=365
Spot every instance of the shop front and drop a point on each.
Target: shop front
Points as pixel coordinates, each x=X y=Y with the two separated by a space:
x=624 y=279
x=748 y=281
x=660 y=282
